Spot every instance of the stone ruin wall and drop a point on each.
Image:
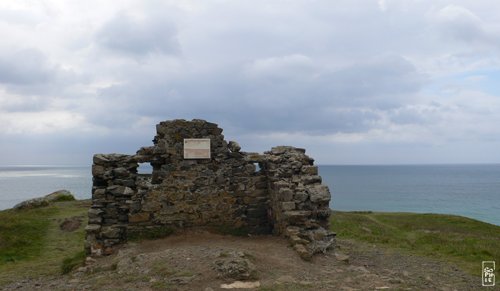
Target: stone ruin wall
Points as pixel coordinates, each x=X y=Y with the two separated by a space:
x=284 y=196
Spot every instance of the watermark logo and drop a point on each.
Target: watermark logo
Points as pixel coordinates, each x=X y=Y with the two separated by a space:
x=488 y=278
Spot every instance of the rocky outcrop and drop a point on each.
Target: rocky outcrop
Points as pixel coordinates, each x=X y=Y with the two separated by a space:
x=60 y=195
x=234 y=265
x=279 y=191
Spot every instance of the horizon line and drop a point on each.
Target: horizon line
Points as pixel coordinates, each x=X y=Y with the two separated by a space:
x=319 y=164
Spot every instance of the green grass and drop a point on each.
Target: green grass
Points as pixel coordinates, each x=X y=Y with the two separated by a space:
x=23 y=234
x=466 y=242
x=32 y=244
x=72 y=262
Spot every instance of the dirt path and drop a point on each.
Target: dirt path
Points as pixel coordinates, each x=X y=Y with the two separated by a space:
x=188 y=261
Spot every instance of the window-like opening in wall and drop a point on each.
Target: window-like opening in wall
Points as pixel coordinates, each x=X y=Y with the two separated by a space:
x=145 y=169
x=257 y=167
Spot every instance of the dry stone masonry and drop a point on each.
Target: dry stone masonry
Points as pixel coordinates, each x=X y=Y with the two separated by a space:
x=277 y=192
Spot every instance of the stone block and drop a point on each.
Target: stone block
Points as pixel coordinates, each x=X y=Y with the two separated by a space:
x=296 y=216
x=308 y=180
x=279 y=185
x=303 y=252
x=95 y=212
x=125 y=182
x=234 y=146
x=100 y=159
x=99 y=202
x=111 y=232
x=99 y=182
x=98 y=170
x=279 y=150
x=250 y=169
x=286 y=206
x=285 y=194
x=319 y=193
x=111 y=242
x=95 y=220
x=93 y=228
x=311 y=223
x=120 y=190
x=292 y=230
x=310 y=170
x=295 y=239
x=254 y=157
x=135 y=206
x=120 y=172
x=139 y=217
x=300 y=196
x=109 y=221
x=323 y=214
x=99 y=193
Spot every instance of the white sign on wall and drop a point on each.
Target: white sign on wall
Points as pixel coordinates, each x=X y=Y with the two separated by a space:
x=196 y=148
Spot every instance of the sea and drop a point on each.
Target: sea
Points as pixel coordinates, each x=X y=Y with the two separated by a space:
x=467 y=190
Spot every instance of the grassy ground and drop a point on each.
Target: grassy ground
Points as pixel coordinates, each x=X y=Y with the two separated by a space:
x=463 y=241
x=32 y=244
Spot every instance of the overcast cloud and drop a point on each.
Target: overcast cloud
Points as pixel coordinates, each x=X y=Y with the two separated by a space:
x=355 y=82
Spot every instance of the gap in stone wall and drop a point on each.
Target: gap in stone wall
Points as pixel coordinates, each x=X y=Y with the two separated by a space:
x=145 y=169
x=257 y=167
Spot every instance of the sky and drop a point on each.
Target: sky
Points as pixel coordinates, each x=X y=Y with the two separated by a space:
x=352 y=81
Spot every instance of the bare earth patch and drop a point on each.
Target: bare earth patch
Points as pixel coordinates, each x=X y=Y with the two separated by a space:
x=71 y=224
x=189 y=261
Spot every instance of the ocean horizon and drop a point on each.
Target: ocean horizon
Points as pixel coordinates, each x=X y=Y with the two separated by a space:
x=470 y=190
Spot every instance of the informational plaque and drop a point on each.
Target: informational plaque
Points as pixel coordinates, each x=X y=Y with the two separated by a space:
x=196 y=148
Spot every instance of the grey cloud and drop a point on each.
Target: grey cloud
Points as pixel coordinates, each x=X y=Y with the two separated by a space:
x=257 y=67
x=385 y=77
x=139 y=36
x=23 y=104
x=281 y=97
x=461 y=24
x=20 y=17
x=25 y=67
x=423 y=114
x=31 y=81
